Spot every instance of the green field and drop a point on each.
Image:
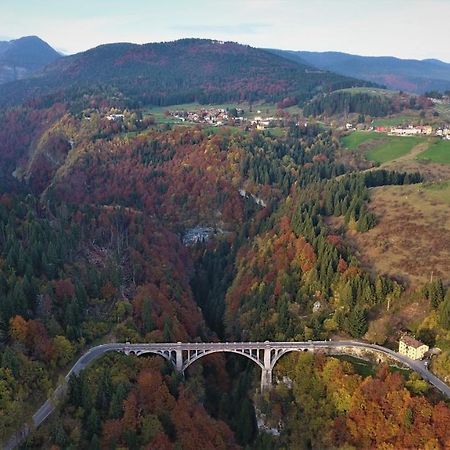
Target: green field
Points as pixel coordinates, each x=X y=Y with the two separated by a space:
x=368 y=90
x=353 y=140
x=394 y=148
x=223 y=130
x=387 y=149
x=277 y=131
x=439 y=152
x=158 y=112
x=393 y=121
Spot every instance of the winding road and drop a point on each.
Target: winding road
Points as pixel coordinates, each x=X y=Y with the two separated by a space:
x=201 y=349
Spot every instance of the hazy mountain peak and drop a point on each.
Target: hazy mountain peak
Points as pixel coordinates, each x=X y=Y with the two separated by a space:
x=21 y=57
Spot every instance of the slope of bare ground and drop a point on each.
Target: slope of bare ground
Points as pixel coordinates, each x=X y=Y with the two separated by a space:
x=412 y=238
x=429 y=171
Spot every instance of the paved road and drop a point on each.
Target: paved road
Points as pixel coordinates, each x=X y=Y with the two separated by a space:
x=49 y=406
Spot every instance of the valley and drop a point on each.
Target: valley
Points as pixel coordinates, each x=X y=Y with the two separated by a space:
x=201 y=192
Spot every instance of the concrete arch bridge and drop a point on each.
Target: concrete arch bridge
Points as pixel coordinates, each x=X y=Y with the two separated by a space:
x=264 y=354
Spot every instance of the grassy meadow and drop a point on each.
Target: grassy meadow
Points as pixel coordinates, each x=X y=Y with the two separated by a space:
x=395 y=121
x=394 y=148
x=438 y=152
x=380 y=147
x=353 y=140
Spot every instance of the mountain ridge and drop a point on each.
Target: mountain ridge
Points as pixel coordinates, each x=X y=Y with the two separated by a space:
x=417 y=76
x=181 y=71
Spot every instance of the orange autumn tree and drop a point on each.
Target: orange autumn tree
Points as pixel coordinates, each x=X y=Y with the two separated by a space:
x=150 y=411
x=270 y=273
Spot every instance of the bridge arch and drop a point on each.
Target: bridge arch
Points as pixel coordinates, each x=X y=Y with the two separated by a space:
x=250 y=354
x=278 y=355
x=168 y=355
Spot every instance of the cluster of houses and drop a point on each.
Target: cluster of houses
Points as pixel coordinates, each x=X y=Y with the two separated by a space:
x=261 y=123
x=210 y=116
x=415 y=130
x=444 y=133
x=411 y=130
x=219 y=116
x=440 y=101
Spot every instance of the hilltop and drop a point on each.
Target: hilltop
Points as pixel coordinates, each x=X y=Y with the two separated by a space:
x=176 y=72
x=21 y=57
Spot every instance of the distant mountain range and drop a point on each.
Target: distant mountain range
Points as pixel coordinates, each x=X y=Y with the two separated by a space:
x=21 y=57
x=182 y=71
x=400 y=74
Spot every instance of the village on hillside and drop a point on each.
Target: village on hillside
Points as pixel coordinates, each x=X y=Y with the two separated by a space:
x=221 y=116
x=218 y=116
x=415 y=130
x=409 y=130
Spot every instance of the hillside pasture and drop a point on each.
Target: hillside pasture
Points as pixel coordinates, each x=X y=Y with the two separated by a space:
x=404 y=119
x=438 y=152
x=394 y=147
x=353 y=140
x=411 y=240
x=380 y=147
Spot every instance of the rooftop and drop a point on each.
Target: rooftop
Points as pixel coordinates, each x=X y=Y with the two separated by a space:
x=411 y=342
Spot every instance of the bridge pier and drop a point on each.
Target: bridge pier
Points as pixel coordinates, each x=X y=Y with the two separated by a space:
x=266 y=380
x=266 y=373
x=179 y=361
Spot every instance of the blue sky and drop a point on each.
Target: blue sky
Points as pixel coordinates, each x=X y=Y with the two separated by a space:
x=404 y=28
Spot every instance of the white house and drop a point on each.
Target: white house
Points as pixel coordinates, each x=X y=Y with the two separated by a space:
x=411 y=347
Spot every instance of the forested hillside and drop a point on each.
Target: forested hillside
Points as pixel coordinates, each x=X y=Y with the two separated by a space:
x=175 y=72
x=345 y=102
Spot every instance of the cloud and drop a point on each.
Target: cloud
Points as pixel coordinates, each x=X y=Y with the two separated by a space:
x=239 y=28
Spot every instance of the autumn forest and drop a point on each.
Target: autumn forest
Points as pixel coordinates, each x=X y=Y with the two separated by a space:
x=95 y=210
